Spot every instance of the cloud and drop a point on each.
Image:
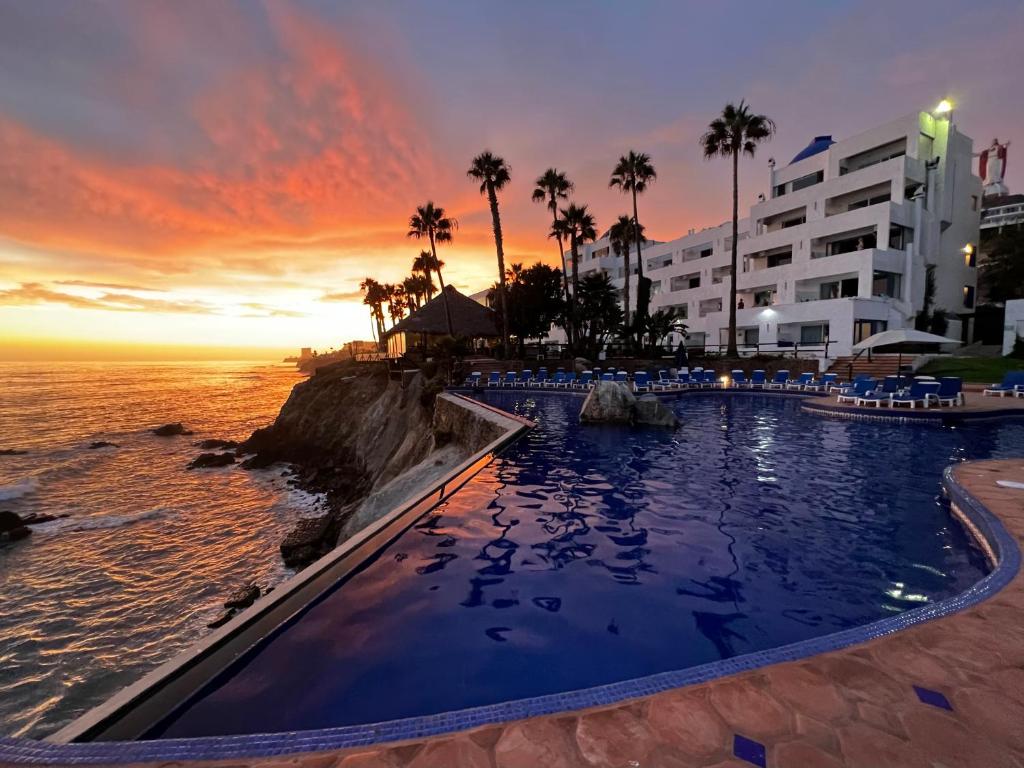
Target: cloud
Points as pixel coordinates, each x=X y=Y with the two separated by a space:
x=343 y=296
x=111 y=286
x=264 y=310
x=37 y=293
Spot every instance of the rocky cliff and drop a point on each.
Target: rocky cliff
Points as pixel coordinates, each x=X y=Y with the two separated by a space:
x=368 y=442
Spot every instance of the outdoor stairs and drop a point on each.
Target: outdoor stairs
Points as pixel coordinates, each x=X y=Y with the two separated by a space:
x=876 y=366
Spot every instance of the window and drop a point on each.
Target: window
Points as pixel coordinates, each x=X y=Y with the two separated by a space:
x=751 y=336
x=839 y=289
x=779 y=190
x=970 y=256
x=864 y=328
x=900 y=237
x=813 y=334
x=969 y=296
x=808 y=181
x=851 y=244
x=695 y=281
x=780 y=259
x=885 y=198
x=764 y=298
x=974 y=202
x=886 y=284
x=794 y=222
x=705 y=253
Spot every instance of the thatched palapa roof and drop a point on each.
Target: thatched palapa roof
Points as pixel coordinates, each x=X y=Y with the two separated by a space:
x=468 y=317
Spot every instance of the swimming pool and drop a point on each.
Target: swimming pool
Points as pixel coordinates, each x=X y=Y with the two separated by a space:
x=591 y=555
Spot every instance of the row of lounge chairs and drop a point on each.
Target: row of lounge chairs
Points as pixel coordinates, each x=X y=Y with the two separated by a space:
x=1012 y=384
x=642 y=381
x=893 y=391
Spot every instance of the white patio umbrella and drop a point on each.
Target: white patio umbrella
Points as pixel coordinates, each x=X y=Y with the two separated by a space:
x=900 y=337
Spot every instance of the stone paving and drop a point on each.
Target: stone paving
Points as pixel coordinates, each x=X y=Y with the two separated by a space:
x=944 y=694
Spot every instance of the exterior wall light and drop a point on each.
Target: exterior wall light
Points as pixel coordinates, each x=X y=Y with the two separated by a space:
x=944 y=107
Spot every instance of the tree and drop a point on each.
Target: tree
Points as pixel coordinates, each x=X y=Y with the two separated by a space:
x=397 y=302
x=550 y=188
x=493 y=174
x=432 y=223
x=923 y=319
x=620 y=237
x=1002 y=273
x=660 y=324
x=424 y=265
x=374 y=296
x=736 y=131
x=600 y=314
x=578 y=225
x=632 y=174
x=534 y=301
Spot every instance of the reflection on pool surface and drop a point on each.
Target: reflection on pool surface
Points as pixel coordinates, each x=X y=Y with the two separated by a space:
x=590 y=555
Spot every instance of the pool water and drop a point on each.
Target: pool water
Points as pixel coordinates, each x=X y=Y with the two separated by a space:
x=587 y=555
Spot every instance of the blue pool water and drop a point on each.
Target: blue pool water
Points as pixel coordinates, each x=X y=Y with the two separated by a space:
x=587 y=555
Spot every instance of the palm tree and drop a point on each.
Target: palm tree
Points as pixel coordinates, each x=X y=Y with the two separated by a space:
x=620 y=237
x=374 y=297
x=432 y=223
x=425 y=264
x=396 y=300
x=632 y=174
x=734 y=132
x=493 y=174
x=550 y=188
x=578 y=225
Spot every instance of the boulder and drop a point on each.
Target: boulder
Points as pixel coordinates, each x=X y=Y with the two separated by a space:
x=212 y=443
x=36 y=519
x=223 y=619
x=11 y=452
x=243 y=597
x=206 y=460
x=581 y=364
x=171 y=430
x=101 y=444
x=609 y=402
x=651 y=411
x=311 y=537
x=12 y=527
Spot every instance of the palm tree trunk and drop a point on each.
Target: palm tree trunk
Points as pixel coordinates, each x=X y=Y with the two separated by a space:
x=625 y=294
x=444 y=294
x=732 y=351
x=574 y=247
x=639 y=266
x=492 y=198
x=570 y=332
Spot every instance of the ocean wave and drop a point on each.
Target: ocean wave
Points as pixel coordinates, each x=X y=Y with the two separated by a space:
x=70 y=524
x=18 y=489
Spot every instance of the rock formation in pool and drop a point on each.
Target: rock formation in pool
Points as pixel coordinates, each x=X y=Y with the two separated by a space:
x=611 y=402
x=367 y=441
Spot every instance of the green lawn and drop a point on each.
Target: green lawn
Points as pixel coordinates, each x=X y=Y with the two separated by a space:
x=982 y=370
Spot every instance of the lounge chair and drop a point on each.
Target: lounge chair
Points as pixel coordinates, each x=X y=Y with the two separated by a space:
x=1013 y=384
x=558 y=381
x=738 y=378
x=860 y=388
x=526 y=377
x=473 y=380
x=494 y=379
x=641 y=381
x=510 y=380
x=586 y=380
x=758 y=380
x=779 y=380
x=920 y=392
x=569 y=382
x=621 y=376
x=883 y=394
x=541 y=379
x=607 y=376
x=950 y=391
x=823 y=384
x=710 y=379
x=804 y=380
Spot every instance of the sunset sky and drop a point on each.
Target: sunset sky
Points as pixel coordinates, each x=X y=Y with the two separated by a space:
x=190 y=177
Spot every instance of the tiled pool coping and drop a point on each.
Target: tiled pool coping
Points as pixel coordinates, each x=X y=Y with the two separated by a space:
x=995 y=539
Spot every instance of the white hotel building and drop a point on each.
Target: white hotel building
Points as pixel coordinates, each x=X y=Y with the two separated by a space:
x=838 y=252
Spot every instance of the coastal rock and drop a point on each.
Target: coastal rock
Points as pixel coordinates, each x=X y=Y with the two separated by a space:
x=101 y=444
x=222 y=619
x=608 y=403
x=171 y=430
x=207 y=460
x=12 y=527
x=36 y=519
x=581 y=364
x=11 y=452
x=310 y=538
x=611 y=402
x=650 y=411
x=212 y=443
x=243 y=597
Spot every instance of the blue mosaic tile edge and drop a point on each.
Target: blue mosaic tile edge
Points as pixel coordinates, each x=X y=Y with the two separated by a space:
x=926 y=416
x=1007 y=565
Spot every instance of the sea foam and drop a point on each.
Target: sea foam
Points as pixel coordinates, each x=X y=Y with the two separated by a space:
x=97 y=523
x=18 y=489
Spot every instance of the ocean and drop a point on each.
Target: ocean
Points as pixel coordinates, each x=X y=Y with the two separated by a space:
x=148 y=550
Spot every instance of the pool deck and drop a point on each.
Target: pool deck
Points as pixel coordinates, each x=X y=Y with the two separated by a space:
x=977 y=407
x=941 y=694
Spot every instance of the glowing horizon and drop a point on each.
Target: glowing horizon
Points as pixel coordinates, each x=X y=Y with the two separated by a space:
x=222 y=177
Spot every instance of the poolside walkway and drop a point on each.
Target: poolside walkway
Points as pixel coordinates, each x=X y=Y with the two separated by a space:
x=942 y=694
